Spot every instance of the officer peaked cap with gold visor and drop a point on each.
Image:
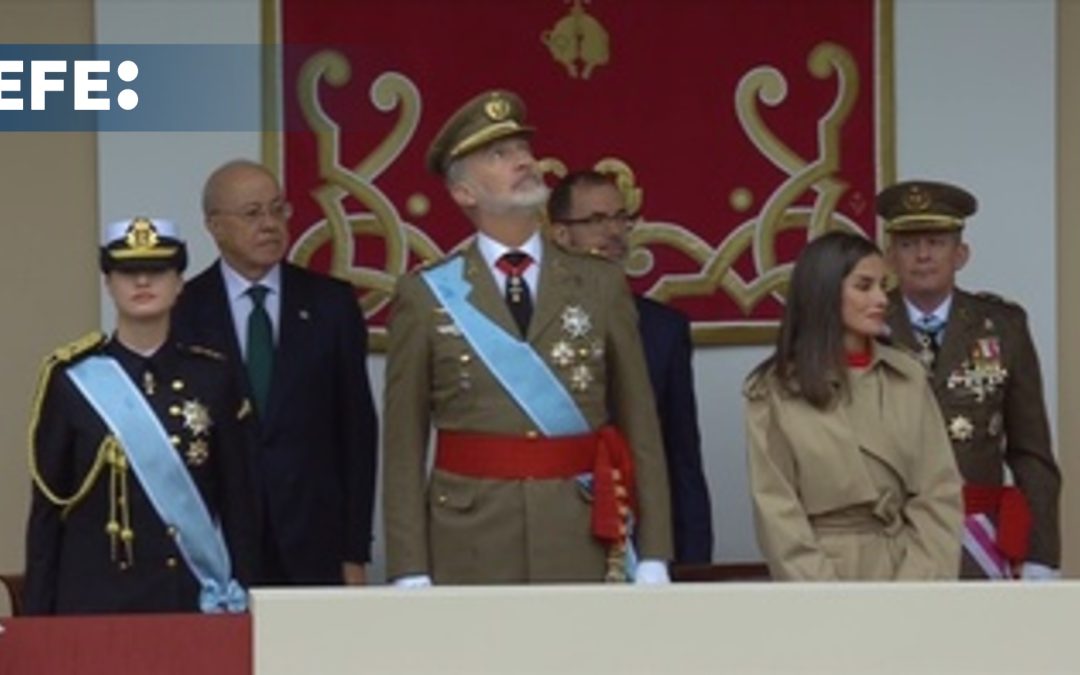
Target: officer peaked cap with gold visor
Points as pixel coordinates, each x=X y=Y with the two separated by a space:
x=142 y=244
x=489 y=117
x=925 y=206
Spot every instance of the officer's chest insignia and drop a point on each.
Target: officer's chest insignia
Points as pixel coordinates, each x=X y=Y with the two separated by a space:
x=995 y=425
x=198 y=451
x=982 y=373
x=961 y=428
x=196 y=417
x=562 y=354
x=149 y=384
x=576 y=322
x=581 y=377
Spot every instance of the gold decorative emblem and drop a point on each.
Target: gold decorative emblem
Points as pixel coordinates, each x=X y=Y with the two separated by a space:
x=581 y=377
x=196 y=417
x=141 y=235
x=916 y=199
x=197 y=453
x=578 y=36
x=961 y=428
x=562 y=354
x=995 y=425
x=576 y=322
x=497 y=109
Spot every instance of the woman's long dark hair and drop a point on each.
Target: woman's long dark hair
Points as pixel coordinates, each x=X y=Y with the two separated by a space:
x=809 y=359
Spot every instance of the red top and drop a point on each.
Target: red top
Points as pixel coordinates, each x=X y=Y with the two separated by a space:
x=859 y=359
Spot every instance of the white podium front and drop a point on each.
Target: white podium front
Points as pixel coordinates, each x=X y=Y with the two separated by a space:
x=838 y=629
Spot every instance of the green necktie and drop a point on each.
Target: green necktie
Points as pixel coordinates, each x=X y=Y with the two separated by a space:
x=260 y=346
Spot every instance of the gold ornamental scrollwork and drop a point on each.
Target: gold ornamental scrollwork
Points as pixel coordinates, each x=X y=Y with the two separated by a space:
x=779 y=211
x=394 y=93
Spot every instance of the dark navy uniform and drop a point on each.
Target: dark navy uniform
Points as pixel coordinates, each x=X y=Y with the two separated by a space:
x=80 y=555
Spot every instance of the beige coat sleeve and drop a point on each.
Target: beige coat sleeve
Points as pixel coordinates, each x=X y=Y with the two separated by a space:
x=407 y=414
x=935 y=510
x=783 y=528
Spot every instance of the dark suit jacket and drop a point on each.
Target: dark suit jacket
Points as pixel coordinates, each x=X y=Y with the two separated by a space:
x=1004 y=425
x=315 y=454
x=665 y=336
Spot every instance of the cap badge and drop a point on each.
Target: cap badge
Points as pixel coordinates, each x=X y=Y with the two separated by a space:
x=916 y=199
x=497 y=109
x=141 y=235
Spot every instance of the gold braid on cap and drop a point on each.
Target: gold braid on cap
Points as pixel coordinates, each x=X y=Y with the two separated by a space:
x=142 y=242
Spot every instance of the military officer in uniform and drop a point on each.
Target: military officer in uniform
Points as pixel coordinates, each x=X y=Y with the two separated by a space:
x=985 y=373
x=588 y=214
x=512 y=350
x=141 y=499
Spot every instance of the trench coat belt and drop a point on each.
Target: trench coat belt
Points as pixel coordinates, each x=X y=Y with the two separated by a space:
x=603 y=454
x=882 y=516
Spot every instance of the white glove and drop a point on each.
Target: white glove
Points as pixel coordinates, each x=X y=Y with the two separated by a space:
x=651 y=573
x=413 y=581
x=1033 y=571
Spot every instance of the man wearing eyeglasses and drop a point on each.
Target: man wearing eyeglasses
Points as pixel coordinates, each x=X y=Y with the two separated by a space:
x=514 y=352
x=588 y=214
x=299 y=344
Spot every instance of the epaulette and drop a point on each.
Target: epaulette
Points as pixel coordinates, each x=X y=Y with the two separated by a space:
x=430 y=264
x=997 y=299
x=199 y=350
x=78 y=348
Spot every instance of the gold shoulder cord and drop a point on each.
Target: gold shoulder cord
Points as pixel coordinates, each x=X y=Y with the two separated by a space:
x=109 y=452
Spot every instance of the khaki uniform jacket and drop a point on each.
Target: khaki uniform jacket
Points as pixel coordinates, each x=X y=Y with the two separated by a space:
x=866 y=490
x=465 y=530
x=994 y=424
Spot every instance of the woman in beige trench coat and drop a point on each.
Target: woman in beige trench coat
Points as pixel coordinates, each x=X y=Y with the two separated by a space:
x=852 y=475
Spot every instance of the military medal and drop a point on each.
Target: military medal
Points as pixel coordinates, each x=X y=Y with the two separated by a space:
x=995 y=425
x=580 y=378
x=198 y=452
x=961 y=428
x=515 y=288
x=196 y=417
x=562 y=354
x=983 y=373
x=576 y=322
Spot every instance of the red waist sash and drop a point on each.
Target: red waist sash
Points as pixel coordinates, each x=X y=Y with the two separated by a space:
x=1010 y=508
x=605 y=454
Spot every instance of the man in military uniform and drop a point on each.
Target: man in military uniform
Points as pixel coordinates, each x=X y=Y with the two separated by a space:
x=985 y=372
x=138 y=456
x=513 y=350
x=588 y=214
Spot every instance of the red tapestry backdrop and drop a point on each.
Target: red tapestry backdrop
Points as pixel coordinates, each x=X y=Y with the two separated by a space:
x=740 y=128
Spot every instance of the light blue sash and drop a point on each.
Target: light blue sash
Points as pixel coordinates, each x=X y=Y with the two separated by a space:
x=513 y=362
x=164 y=478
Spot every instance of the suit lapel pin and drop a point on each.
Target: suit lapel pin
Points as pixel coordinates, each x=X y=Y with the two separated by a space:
x=304 y=315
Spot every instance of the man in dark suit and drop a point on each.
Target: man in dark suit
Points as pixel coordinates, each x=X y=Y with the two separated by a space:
x=300 y=344
x=985 y=373
x=523 y=359
x=588 y=214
